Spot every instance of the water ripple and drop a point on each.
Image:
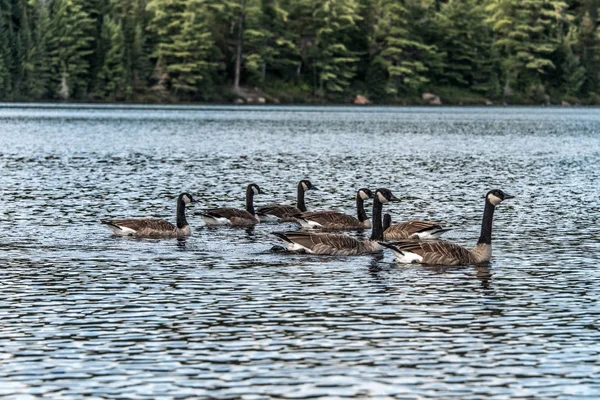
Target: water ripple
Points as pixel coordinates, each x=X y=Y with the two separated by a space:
x=218 y=315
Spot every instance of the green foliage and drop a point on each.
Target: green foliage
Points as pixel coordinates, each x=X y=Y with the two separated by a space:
x=110 y=82
x=69 y=44
x=334 y=63
x=465 y=42
x=396 y=51
x=527 y=33
x=185 y=52
x=466 y=51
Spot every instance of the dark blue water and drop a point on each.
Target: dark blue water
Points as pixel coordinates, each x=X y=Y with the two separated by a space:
x=85 y=314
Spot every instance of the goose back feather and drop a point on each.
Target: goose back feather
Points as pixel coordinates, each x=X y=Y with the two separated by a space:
x=333 y=220
x=415 y=229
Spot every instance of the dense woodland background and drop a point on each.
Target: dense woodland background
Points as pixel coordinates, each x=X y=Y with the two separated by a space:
x=465 y=51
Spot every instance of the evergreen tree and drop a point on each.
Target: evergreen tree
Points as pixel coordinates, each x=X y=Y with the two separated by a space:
x=465 y=42
x=278 y=50
x=69 y=46
x=395 y=50
x=527 y=33
x=186 y=51
x=588 y=46
x=8 y=59
x=5 y=59
x=133 y=19
x=334 y=65
x=110 y=82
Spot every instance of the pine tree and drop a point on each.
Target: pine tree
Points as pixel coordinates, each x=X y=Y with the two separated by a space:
x=70 y=44
x=8 y=60
x=394 y=49
x=334 y=65
x=186 y=52
x=110 y=82
x=465 y=41
x=278 y=50
x=133 y=19
x=5 y=60
x=193 y=52
x=588 y=46
x=527 y=33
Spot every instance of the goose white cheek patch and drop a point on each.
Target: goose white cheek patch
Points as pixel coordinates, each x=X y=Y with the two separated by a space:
x=382 y=198
x=495 y=200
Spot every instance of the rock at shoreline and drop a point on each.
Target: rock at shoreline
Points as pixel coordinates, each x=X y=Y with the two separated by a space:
x=488 y=102
x=431 y=99
x=238 y=101
x=261 y=100
x=565 y=103
x=361 y=100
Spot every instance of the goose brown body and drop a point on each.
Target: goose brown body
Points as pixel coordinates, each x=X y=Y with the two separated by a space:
x=414 y=229
x=440 y=252
x=333 y=220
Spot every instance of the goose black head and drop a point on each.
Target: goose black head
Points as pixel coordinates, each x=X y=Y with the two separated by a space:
x=385 y=195
x=254 y=187
x=187 y=198
x=306 y=185
x=365 y=193
x=497 y=196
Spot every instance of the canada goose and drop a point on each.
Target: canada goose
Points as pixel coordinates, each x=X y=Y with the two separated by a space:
x=414 y=229
x=335 y=220
x=234 y=216
x=153 y=227
x=284 y=213
x=337 y=244
x=449 y=253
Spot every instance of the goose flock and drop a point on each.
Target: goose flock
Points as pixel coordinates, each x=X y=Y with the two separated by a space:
x=413 y=241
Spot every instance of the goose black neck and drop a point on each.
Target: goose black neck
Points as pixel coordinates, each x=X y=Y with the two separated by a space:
x=250 y=200
x=360 y=208
x=486 y=224
x=377 y=228
x=387 y=222
x=300 y=200
x=181 y=220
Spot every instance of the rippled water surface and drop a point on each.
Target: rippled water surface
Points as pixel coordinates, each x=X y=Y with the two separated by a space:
x=219 y=315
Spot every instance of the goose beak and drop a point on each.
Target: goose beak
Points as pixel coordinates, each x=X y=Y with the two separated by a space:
x=314 y=188
x=508 y=196
x=394 y=198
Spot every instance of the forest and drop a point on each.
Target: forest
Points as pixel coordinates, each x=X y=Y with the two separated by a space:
x=301 y=51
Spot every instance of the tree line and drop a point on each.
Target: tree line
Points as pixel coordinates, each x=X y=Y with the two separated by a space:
x=514 y=51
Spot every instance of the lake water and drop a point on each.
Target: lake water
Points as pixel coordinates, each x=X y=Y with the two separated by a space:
x=219 y=315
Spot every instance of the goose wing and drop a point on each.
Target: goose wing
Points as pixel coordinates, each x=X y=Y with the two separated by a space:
x=331 y=219
x=321 y=243
x=440 y=253
x=278 y=210
x=227 y=212
x=141 y=224
x=415 y=229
